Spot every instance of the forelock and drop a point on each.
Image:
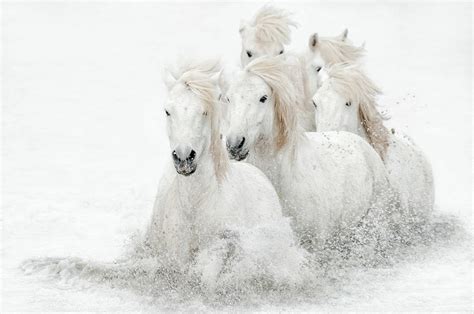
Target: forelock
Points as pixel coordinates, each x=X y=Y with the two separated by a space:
x=273 y=25
x=334 y=50
x=350 y=81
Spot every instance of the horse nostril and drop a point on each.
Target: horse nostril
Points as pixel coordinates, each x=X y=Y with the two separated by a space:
x=192 y=155
x=175 y=156
x=241 y=143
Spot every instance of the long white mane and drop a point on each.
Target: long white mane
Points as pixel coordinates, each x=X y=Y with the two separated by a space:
x=274 y=71
x=272 y=25
x=337 y=49
x=349 y=80
x=198 y=78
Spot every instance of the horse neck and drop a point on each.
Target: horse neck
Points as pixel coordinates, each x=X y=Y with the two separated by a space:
x=360 y=130
x=262 y=153
x=270 y=160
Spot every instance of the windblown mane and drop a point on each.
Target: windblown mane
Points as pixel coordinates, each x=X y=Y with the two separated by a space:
x=197 y=77
x=273 y=25
x=353 y=83
x=274 y=72
x=334 y=50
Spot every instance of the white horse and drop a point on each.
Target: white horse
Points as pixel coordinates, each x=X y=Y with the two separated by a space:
x=322 y=52
x=266 y=33
x=325 y=180
x=347 y=101
x=220 y=220
x=302 y=86
x=325 y=51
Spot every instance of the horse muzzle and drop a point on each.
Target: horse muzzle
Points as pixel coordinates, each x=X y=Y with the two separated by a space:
x=236 y=149
x=184 y=161
x=185 y=168
x=238 y=155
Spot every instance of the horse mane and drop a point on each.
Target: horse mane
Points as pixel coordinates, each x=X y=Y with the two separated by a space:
x=349 y=80
x=275 y=73
x=334 y=50
x=206 y=67
x=304 y=87
x=273 y=25
x=197 y=77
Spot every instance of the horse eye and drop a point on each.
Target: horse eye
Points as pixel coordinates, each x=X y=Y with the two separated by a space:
x=227 y=98
x=281 y=52
x=348 y=104
x=204 y=113
x=314 y=104
x=249 y=54
x=167 y=113
x=318 y=69
x=263 y=98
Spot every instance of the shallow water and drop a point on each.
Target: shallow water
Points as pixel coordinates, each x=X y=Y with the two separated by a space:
x=340 y=269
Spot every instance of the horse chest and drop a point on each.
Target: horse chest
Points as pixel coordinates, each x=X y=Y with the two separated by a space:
x=269 y=164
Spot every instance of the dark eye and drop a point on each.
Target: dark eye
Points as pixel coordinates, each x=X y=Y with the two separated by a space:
x=281 y=52
x=204 y=113
x=348 y=104
x=249 y=54
x=263 y=98
x=167 y=113
x=318 y=69
x=227 y=98
x=314 y=104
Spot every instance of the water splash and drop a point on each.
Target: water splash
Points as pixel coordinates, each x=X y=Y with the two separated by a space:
x=334 y=269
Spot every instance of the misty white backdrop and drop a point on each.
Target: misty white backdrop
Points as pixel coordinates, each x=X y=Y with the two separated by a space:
x=84 y=141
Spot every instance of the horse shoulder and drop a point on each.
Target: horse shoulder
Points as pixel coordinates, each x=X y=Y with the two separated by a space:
x=252 y=193
x=164 y=197
x=357 y=169
x=339 y=146
x=404 y=156
x=347 y=160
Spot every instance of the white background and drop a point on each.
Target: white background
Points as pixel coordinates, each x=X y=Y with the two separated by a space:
x=84 y=141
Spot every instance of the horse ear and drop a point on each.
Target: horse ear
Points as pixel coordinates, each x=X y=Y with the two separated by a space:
x=169 y=79
x=224 y=79
x=344 y=34
x=313 y=41
x=243 y=24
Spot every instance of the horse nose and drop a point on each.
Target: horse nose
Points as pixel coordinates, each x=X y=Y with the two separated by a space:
x=235 y=143
x=181 y=154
